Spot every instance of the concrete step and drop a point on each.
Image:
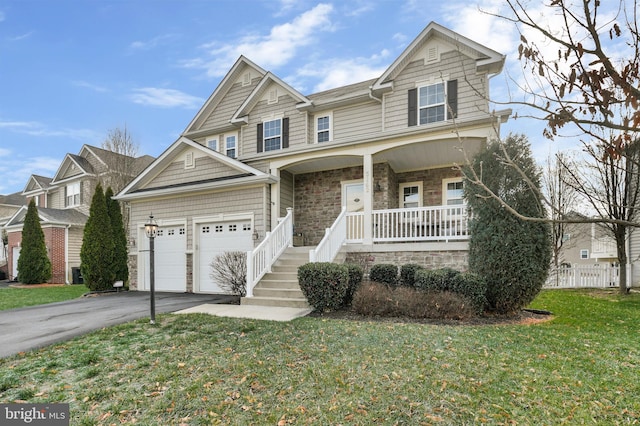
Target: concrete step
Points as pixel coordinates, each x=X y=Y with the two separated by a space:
x=284 y=275
x=272 y=283
x=275 y=301
x=290 y=293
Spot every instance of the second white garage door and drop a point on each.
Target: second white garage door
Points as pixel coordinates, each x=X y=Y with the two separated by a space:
x=169 y=257
x=216 y=238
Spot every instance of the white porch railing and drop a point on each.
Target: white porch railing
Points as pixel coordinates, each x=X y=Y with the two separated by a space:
x=261 y=259
x=586 y=276
x=333 y=239
x=433 y=223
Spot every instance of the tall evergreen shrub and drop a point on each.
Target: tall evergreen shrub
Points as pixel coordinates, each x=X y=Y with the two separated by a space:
x=120 y=253
x=34 y=266
x=511 y=254
x=97 y=252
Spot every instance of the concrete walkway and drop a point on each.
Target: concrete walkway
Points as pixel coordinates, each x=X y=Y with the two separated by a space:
x=268 y=313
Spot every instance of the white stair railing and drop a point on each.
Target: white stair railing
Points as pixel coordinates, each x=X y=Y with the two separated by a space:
x=332 y=241
x=262 y=258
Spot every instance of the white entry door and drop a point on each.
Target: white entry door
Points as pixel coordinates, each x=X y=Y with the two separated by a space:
x=216 y=238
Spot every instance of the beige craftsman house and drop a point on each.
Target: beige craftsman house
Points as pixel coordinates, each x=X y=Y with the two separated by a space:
x=63 y=206
x=365 y=170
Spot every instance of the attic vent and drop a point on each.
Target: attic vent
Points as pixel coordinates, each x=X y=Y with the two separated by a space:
x=246 y=79
x=188 y=161
x=273 y=96
x=432 y=54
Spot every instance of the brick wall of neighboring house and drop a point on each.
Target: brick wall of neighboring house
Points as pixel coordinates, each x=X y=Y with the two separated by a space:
x=15 y=239
x=55 y=241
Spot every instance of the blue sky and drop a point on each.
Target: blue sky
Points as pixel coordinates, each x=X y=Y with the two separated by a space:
x=71 y=70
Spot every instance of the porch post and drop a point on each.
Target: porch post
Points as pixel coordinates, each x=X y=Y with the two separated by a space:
x=368 y=198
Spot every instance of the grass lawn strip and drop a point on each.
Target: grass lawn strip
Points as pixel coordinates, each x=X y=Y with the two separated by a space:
x=11 y=298
x=582 y=367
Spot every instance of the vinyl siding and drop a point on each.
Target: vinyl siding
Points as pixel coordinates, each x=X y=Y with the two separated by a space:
x=286 y=107
x=205 y=168
x=228 y=105
x=56 y=199
x=357 y=120
x=75 y=245
x=185 y=208
x=454 y=66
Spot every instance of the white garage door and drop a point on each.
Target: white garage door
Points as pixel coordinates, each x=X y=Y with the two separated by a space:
x=216 y=238
x=170 y=259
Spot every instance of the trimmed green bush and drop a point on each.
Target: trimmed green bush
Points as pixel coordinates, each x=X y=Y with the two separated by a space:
x=467 y=285
x=120 y=251
x=435 y=279
x=408 y=274
x=96 y=254
x=355 y=279
x=385 y=273
x=324 y=284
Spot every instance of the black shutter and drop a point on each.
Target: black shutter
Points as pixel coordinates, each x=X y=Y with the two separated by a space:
x=413 y=107
x=260 y=144
x=452 y=99
x=65 y=197
x=285 y=132
x=80 y=197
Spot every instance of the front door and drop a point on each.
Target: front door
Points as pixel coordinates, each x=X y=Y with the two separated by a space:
x=353 y=199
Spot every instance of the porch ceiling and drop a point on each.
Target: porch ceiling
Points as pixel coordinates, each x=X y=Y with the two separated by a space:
x=401 y=158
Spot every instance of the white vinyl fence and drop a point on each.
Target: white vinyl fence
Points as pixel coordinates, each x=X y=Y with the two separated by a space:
x=585 y=276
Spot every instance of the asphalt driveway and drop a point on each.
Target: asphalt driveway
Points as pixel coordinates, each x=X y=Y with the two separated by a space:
x=37 y=326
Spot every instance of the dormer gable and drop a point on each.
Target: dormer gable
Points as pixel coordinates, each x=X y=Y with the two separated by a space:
x=430 y=44
x=73 y=166
x=270 y=89
x=36 y=185
x=243 y=73
x=189 y=166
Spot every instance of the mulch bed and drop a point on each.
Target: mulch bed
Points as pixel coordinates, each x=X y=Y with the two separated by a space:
x=523 y=317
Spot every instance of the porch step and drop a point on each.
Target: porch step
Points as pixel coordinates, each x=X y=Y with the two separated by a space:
x=280 y=286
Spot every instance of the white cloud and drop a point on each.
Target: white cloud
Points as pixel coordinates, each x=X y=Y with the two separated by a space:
x=270 y=51
x=34 y=128
x=341 y=72
x=4 y=152
x=87 y=85
x=152 y=43
x=16 y=175
x=167 y=98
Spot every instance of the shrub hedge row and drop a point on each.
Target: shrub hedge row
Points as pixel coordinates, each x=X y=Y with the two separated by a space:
x=329 y=286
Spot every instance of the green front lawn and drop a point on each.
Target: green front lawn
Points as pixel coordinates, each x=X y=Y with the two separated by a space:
x=11 y=298
x=582 y=367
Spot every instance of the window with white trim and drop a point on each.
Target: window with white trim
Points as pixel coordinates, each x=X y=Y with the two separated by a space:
x=323 y=125
x=272 y=135
x=431 y=103
x=231 y=145
x=212 y=143
x=410 y=194
x=73 y=195
x=584 y=254
x=452 y=191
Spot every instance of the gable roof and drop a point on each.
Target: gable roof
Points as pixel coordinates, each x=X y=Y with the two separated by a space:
x=50 y=217
x=486 y=59
x=218 y=94
x=15 y=199
x=70 y=160
x=246 y=174
x=37 y=184
x=240 y=115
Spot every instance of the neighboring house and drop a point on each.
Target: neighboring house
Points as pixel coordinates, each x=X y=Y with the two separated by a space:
x=63 y=205
x=588 y=244
x=383 y=149
x=9 y=205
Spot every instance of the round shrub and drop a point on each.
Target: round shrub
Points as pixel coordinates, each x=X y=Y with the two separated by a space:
x=408 y=273
x=473 y=288
x=385 y=273
x=355 y=279
x=324 y=284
